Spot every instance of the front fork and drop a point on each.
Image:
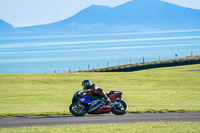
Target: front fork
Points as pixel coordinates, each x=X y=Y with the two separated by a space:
x=79 y=105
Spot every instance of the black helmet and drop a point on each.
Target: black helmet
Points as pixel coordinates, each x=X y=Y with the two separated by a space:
x=86 y=84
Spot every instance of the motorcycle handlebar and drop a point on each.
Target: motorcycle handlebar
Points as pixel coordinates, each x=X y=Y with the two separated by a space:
x=85 y=91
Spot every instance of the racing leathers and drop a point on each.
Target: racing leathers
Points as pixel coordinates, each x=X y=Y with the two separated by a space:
x=96 y=92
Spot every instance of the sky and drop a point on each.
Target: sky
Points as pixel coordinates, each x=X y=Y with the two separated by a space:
x=22 y=13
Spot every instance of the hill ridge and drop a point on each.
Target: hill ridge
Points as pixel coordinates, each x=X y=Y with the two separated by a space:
x=133 y=16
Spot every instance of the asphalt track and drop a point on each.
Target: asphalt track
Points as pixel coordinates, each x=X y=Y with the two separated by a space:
x=6 y=122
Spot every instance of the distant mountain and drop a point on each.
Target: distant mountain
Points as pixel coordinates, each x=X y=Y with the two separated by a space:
x=151 y=13
x=6 y=27
x=137 y=15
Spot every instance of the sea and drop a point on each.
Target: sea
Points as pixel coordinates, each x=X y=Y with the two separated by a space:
x=71 y=53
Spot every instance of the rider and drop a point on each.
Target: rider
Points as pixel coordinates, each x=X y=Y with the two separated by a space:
x=94 y=89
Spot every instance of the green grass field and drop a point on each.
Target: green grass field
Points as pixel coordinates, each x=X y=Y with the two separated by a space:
x=156 y=127
x=155 y=90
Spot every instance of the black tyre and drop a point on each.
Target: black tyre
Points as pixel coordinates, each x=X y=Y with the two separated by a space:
x=77 y=109
x=120 y=109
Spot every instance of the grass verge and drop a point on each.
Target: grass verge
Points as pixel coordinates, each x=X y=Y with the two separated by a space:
x=161 y=127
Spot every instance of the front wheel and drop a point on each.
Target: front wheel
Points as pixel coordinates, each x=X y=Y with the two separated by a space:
x=120 y=109
x=77 y=109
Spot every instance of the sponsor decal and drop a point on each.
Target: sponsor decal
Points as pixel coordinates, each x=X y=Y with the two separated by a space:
x=106 y=108
x=82 y=100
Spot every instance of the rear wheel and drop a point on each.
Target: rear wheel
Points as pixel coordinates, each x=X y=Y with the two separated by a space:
x=77 y=109
x=120 y=109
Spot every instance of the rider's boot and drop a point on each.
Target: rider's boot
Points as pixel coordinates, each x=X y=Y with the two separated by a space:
x=107 y=100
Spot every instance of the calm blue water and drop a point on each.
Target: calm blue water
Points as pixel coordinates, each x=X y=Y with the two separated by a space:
x=61 y=53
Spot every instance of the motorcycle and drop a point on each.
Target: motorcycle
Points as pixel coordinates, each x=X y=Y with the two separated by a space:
x=81 y=104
